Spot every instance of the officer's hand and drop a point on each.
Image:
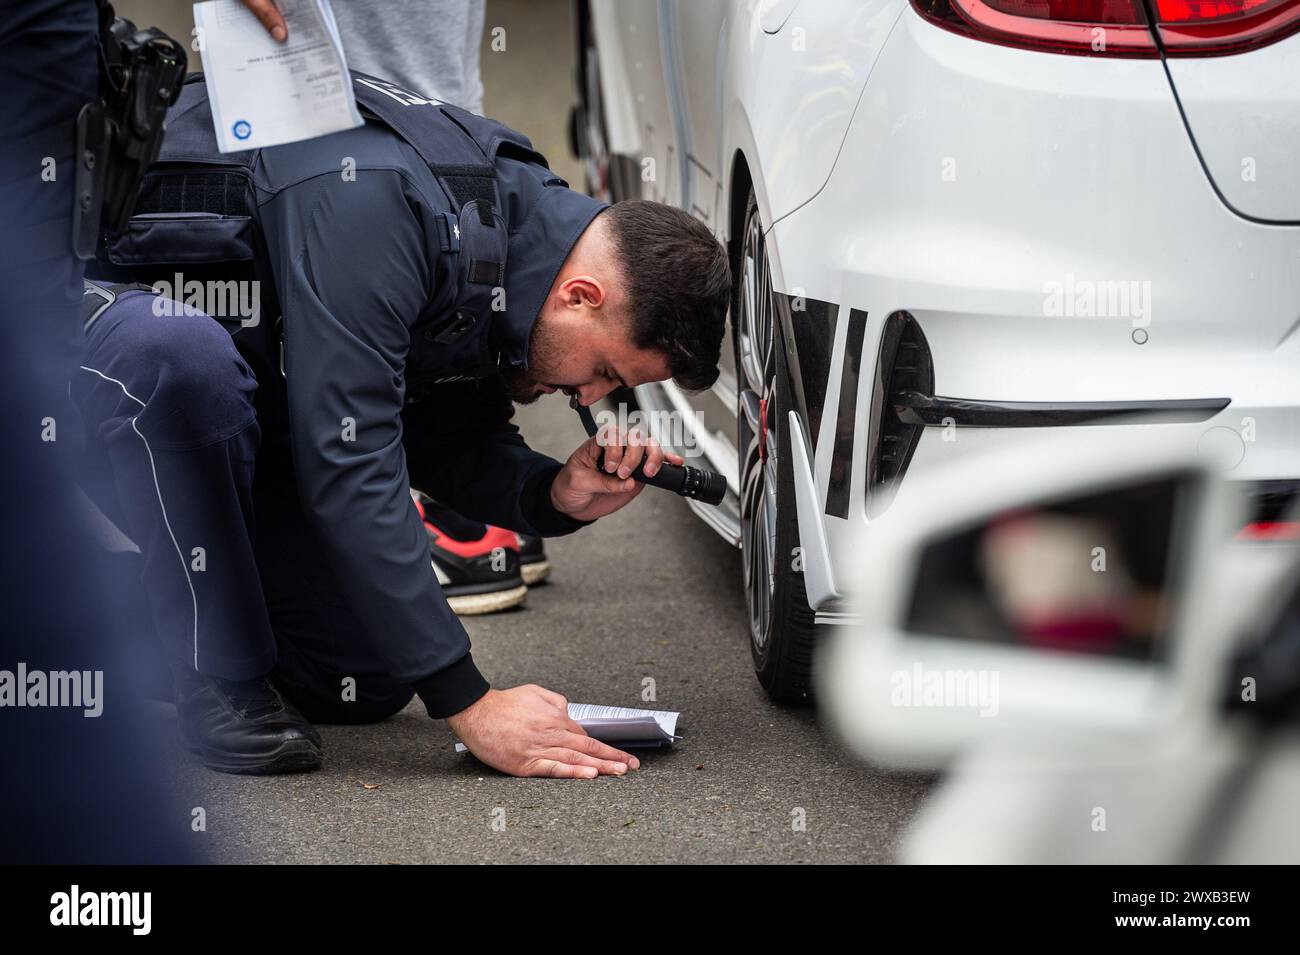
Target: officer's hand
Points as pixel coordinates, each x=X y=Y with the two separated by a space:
x=585 y=493
x=526 y=731
x=271 y=18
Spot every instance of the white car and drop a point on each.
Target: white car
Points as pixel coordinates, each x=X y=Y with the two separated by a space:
x=956 y=223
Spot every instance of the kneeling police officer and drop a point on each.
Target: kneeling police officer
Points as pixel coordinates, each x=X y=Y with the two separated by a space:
x=417 y=275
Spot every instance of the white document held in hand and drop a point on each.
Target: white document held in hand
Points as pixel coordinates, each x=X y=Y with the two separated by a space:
x=265 y=93
x=620 y=726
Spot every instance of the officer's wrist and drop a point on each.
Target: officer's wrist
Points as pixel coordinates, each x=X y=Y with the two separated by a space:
x=459 y=720
x=452 y=689
x=538 y=505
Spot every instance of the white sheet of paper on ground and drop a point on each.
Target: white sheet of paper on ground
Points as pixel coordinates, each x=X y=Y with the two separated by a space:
x=265 y=93
x=622 y=726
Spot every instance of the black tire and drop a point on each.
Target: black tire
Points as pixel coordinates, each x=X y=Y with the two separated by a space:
x=782 y=639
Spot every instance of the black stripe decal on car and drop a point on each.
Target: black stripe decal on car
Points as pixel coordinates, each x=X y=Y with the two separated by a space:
x=841 y=476
x=808 y=327
x=914 y=407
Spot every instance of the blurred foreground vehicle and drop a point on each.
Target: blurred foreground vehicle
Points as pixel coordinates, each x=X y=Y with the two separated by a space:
x=958 y=224
x=1105 y=666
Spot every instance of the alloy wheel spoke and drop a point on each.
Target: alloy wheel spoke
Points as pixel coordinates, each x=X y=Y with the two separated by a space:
x=749 y=405
x=758 y=499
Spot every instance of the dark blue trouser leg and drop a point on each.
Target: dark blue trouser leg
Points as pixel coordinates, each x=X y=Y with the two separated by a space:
x=320 y=641
x=174 y=456
x=167 y=406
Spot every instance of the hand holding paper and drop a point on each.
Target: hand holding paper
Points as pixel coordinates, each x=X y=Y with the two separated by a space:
x=271 y=18
x=525 y=731
x=264 y=93
x=629 y=728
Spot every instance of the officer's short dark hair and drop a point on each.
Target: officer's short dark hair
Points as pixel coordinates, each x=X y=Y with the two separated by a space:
x=678 y=286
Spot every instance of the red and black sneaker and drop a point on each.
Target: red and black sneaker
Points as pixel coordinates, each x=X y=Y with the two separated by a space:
x=477 y=565
x=532 y=559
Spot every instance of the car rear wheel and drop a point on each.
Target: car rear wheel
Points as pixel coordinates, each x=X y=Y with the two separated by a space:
x=781 y=624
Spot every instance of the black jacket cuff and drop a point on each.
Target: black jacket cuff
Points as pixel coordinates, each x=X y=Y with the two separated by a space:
x=535 y=503
x=450 y=690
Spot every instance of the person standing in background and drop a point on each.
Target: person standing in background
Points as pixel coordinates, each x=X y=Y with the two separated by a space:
x=426 y=46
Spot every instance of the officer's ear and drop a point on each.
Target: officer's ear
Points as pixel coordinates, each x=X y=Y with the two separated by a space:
x=582 y=290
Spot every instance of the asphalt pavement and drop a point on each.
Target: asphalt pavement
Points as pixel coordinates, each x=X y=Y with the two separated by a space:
x=648 y=592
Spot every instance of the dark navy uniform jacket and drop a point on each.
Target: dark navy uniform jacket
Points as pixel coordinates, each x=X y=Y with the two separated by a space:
x=358 y=263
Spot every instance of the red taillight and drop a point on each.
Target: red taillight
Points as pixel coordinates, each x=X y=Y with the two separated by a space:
x=1079 y=11
x=1206 y=27
x=1172 y=11
x=1088 y=27
x=1119 y=27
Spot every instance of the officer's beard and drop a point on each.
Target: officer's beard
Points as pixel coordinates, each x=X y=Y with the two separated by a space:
x=524 y=386
x=520 y=386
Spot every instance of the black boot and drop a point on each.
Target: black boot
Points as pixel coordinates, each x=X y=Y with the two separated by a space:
x=243 y=726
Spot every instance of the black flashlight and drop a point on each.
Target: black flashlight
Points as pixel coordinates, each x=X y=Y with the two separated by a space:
x=707 y=486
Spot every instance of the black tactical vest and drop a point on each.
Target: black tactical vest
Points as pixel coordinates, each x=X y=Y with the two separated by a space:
x=196 y=214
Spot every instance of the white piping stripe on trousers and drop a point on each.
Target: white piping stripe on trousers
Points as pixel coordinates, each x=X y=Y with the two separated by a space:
x=185 y=567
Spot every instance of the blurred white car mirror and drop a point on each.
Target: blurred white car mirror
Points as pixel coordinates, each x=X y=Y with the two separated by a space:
x=1081 y=585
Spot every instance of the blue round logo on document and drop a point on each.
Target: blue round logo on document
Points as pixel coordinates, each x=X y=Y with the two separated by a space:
x=241 y=129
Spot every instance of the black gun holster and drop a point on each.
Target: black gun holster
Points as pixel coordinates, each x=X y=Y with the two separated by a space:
x=118 y=136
